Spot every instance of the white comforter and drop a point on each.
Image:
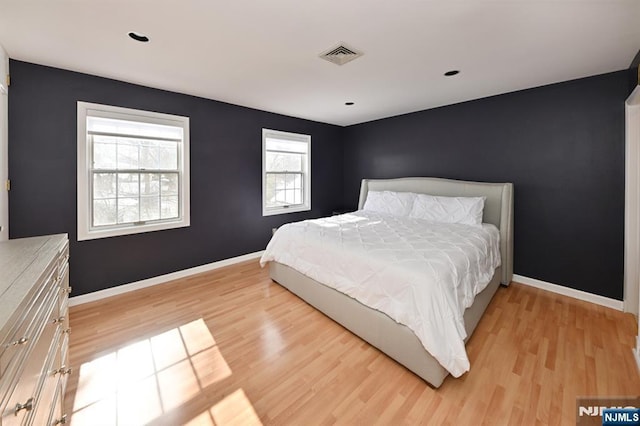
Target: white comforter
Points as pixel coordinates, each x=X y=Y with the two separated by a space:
x=421 y=274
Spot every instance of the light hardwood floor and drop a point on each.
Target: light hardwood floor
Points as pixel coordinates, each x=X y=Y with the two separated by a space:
x=232 y=347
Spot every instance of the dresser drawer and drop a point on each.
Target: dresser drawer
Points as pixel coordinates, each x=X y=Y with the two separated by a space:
x=21 y=335
x=50 y=379
x=62 y=271
x=63 y=258
x=36 y=320
x=64 y=362
x=27 y=384
x=63 y=299
x=57 y=416
x=56 y=413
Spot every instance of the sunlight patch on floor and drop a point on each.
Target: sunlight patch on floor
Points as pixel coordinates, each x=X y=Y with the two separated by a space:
x=146 y=379
x=235 y=409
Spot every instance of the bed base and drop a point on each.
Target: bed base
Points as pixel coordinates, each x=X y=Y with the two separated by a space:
x=378 y=329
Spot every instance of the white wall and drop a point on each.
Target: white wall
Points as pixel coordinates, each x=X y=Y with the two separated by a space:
x=632 y=211
x=4 y=162
x=632 y=203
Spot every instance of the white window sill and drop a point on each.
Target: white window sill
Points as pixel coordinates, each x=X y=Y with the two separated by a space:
x=273 y=212
x=133 y=229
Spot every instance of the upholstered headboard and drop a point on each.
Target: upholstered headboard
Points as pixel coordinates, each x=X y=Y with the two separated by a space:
x=498 y=206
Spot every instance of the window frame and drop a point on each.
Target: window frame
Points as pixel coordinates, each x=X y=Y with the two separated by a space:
x=84 y=171
x=306 y=180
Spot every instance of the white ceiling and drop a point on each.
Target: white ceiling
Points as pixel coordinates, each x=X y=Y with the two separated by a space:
x=264 y=53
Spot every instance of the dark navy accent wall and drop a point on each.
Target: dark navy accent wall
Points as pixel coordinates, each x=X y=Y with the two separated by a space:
x=561 y=145
x=226 y=143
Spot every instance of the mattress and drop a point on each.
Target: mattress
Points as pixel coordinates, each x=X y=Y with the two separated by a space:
x=419 y=273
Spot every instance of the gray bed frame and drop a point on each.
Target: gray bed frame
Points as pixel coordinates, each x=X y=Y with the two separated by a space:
x=378 y=329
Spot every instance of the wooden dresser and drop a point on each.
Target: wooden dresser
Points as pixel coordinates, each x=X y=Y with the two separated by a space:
x=34 y=330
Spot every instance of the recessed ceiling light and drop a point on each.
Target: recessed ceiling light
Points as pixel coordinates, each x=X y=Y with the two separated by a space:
x=349 y=103
x=139 y=37
x=452 y=72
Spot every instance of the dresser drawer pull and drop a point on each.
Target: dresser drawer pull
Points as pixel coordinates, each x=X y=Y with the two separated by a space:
x=61 y=421
x=57 y=320
x=26 y=406
x=62 y=370
x=20 y=341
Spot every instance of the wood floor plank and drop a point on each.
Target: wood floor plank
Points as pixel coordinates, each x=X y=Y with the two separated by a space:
x=232 y=347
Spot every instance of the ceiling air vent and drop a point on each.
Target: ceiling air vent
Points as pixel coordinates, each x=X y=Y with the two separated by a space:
x=341 y=54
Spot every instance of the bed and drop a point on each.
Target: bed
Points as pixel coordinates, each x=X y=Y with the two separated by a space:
x=395 y=339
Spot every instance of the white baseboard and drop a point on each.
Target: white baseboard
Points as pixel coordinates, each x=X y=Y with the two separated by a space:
x=571 y=292
x=161 y=279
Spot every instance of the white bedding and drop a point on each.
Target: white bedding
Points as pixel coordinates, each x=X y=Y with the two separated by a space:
x=421 y=274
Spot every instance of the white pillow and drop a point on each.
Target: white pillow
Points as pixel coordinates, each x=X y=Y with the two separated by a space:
x=389 y=202
x=464 y=210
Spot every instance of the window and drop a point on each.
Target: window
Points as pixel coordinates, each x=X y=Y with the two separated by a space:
x=133 y=171
x=286 y=172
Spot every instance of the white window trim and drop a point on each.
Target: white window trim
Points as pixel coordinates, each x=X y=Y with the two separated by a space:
x=297 y=137
x=83 y=170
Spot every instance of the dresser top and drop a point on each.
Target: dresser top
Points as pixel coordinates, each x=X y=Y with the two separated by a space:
x=22 y=263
